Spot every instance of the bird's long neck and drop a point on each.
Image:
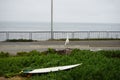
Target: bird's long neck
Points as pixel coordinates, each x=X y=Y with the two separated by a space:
x=67 y=36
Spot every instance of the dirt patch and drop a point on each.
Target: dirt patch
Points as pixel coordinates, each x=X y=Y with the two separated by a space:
x=16 y=78
x=66 y=51
x=12 y=78
x=3 y=78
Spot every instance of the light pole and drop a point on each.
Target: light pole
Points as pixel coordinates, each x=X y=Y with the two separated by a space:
x=52 y=35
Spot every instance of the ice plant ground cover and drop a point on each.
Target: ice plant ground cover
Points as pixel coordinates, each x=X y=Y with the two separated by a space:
x=99 y=65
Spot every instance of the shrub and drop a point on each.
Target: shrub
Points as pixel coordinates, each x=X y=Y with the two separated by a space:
x=111 y=54
x=31 y=53
x=4 y=54
x=96 y=65
x=22 y=54
x=19 y=40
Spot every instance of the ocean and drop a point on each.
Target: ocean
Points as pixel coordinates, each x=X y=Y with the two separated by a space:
x=22 y=26
x=73 y=27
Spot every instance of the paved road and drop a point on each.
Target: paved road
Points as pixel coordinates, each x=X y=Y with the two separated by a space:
x=91 y=43
x=14 y=47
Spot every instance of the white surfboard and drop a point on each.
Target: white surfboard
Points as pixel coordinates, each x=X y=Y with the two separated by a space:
x=51 y=69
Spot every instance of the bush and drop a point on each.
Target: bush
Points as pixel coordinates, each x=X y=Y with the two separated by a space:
x=96 y=65
x=22 y=54
x=4 y=54
x=19 y=40
x=31 y=53
x=111 y=54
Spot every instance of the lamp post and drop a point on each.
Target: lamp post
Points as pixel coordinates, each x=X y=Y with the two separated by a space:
x=52 y=35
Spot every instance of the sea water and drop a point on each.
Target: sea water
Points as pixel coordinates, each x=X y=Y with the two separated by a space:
x=39 y=26
x=25 y=26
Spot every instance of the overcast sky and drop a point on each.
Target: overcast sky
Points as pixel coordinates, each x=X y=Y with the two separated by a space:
x=91 y=11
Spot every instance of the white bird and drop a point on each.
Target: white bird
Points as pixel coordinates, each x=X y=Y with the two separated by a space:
x=67 y=40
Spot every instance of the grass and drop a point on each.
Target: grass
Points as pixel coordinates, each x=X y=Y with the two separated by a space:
x=19 y=40
x=71 y=39
x=78 y=39
x=100 y=65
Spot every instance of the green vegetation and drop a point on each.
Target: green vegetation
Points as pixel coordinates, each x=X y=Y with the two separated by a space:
x=63 y=39
x=4 y=54
x=78 y=39
x=19 y=40
x=100 y=65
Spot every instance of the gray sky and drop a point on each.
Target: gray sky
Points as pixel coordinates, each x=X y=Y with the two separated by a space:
x=95 y=11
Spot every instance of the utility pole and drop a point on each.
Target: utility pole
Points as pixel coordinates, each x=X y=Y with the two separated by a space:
x=52 y=35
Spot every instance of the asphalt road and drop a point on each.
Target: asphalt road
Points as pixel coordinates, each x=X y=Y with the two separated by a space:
x=91 y=43
x=14 y=47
